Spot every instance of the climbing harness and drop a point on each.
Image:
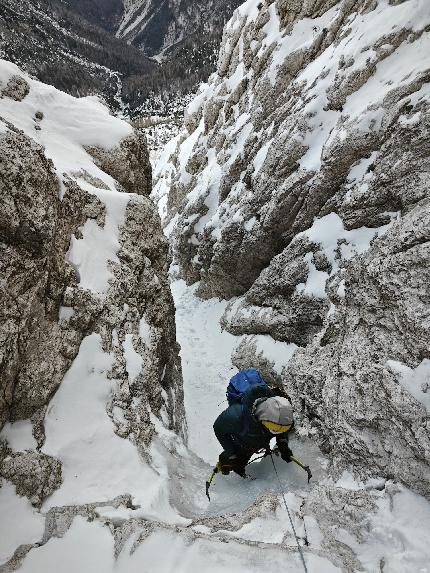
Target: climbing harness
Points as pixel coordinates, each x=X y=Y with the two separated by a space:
x=289 y=515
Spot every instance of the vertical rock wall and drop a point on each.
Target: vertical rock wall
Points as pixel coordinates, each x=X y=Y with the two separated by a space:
x=82 y=252
x=300 y=187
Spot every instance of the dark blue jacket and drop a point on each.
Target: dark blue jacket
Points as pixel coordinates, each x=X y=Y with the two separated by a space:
x=238 y=431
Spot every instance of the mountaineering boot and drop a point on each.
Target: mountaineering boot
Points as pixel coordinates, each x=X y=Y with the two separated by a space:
x=232 y=462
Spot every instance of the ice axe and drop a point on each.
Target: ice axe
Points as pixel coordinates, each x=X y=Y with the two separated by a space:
x=302 y=465
x=298 y=462
x=216 y=470
x=268 y=452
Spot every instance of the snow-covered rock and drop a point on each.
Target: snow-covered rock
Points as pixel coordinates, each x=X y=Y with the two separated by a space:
x=349 y=394
x=300 y=186
x=87 y=331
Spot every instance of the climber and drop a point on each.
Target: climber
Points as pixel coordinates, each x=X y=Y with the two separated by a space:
x=248 y=425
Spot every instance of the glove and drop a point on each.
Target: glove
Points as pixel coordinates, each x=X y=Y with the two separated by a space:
x=231 y=462
x=285 y=452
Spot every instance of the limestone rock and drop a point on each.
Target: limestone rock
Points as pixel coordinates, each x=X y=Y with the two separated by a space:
x=35 y=228
x=344 y=389
x=128 y=164
x=274 y=305
x=34 y=474
x=274 y=160
x=300 y=191
x=141 y=281
x=16 y=88
x=78 y=258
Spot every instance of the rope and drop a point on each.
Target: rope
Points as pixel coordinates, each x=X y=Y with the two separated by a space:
x=289 y=516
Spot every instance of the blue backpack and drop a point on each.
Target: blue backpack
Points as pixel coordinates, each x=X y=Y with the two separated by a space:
x=240 y=383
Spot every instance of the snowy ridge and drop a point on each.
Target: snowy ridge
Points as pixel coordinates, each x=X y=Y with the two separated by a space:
x=60 y=133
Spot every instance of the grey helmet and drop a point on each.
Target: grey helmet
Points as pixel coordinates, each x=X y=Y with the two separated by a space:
x=275 y=413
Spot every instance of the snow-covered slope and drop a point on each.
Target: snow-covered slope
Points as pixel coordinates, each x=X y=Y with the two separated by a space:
x=301 y=186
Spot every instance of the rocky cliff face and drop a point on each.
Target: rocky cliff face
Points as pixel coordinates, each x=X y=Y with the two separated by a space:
x=156 y=27
x=301 y=188
x=83 y=274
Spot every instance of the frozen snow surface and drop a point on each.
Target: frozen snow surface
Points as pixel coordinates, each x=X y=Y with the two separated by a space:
x=79 y=432
x=19 y=435
x=415 y=380
x=168 y=495
x=20 y=523
x=205 y=355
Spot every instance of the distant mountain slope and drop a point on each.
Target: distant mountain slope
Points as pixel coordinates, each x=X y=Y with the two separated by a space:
x=71 y=44
x=183 y=35
x=157 y=26
x=61 y=48
x=104 y=13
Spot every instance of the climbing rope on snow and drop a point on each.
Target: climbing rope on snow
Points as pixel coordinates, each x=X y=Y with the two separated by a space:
x=289 y=515
x=275 y=451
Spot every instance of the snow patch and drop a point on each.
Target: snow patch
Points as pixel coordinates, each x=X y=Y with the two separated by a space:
x=85 y=547
x=337 y=244
x=20 y=523
x=19 y=435
x=416 y=381
x=275 y=351
x=93 y=254
x=133 y=360
x=97 y=464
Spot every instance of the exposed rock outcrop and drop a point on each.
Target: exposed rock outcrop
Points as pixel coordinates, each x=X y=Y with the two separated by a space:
x=17 y=88
x=129 y=164
x=300 y=186
x=347 y=384
x=263 y=166
x=34 y=474
x=35 y=232
x=78 y=257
